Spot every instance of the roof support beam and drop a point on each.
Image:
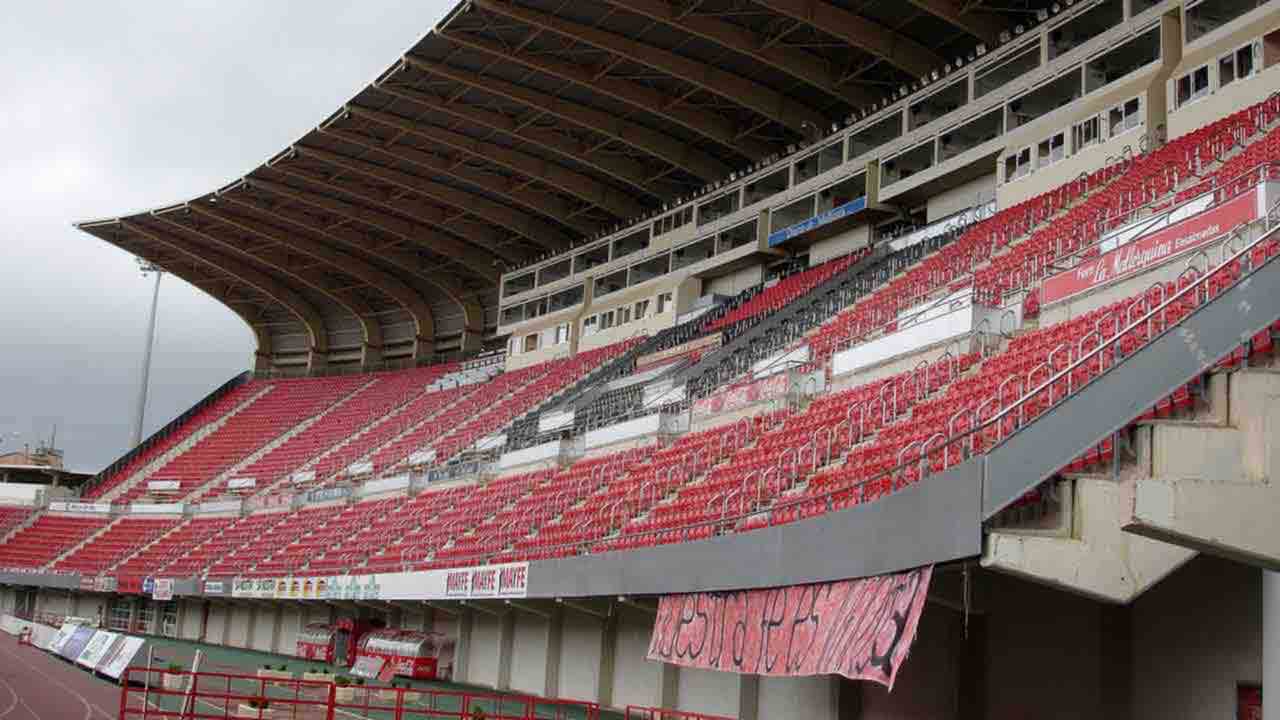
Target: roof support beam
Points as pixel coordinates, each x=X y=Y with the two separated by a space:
x=392 y=287
x=530 y=198
x=678 y=153
x=294 y=303
x=477 y=261
x=707 y=124
x=984 y=28
x=796 y=63
x=748 y=93
x=281 y=262
x=212 y=288
x=501 y=215
x=568 y=181
x=620 y=168
x=893 y=48
x=473 y=314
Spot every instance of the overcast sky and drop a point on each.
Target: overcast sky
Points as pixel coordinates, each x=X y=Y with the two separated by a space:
x=111 y=107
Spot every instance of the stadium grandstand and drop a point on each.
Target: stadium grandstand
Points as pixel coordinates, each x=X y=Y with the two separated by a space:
x=736 y=358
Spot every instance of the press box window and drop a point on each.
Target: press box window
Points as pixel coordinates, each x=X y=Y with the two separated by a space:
x=1124 y=117
x=1084 y=134
x=664 y=302
x=1193 y=86
x=1017 y=164
x=1234 y=66
x=1051 y=150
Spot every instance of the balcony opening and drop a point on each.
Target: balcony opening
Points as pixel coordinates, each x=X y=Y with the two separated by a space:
x=1120 y=61
x=1043 y=100
x=981 y=129
x=937 y=104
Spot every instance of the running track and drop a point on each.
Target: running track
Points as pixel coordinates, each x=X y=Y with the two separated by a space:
x=34 y=685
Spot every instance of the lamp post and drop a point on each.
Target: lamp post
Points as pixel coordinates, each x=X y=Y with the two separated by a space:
x=147 y=268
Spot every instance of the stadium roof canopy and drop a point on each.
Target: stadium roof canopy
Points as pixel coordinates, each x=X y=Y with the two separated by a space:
x=518 y=127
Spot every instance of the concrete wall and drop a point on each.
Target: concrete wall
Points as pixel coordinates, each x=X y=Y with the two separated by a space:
x=1195 y=637
x=842 y=244
x=734 y=282
x=238 y=626
x=962 y=197
x=580 y=646
x=710 y=692
x=635 y=680
x=264 y=629
x=191 y=614
x=483 y=666
x=529 y=654
x=290 y=624
x=216 y=632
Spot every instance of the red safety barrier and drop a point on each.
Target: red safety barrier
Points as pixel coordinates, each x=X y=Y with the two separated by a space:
x=158 y=693
x=638 y=712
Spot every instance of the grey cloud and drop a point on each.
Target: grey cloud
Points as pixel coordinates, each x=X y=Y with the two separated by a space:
x=115 y=107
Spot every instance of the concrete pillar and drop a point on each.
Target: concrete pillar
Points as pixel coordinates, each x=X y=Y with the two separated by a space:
x=608 y=649
x=229 y=612
x=555 y=638
x=1115 y=666
x=428 y=618
x=667 y=693
x=1270 y=645
x=506 y=647
x=462 y=650
x=748 y=697
x=395 y=617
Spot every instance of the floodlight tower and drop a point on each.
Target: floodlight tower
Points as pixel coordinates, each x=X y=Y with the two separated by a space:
x=147 y=268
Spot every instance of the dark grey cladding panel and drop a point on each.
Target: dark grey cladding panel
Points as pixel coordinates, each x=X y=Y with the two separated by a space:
x=1113 y=400
x=937 y=520
x=47 y=580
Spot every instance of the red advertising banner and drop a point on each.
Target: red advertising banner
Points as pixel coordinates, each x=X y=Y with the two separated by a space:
x=861 y=629
x=1249 y=703
x=1152 y=249
x=735 y=397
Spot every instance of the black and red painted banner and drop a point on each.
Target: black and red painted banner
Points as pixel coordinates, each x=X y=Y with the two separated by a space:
x=861 y=629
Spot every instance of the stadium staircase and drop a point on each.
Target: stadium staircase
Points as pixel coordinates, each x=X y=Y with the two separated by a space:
x=138 y=476
x=203 y=491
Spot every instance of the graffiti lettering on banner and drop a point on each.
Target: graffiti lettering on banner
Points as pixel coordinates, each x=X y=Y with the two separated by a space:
x=861 y=629
x=740 y=396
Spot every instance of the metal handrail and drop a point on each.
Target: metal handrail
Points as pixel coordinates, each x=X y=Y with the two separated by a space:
x=997 y=420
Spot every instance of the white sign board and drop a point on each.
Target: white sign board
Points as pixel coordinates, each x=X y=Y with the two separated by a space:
x=360 y=468
x=96 y=651
x=120 y=656
x=422 y=457
x=302 y=476
x=242 y=483
x=164 y=485
x=156 y=508
x=77 y=507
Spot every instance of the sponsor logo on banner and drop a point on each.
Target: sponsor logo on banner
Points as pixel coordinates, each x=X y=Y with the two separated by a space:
x=163 y=589
x=484 y=582
x=326 y=494
x=264 y=588
x=103 y=583
x=513 y=581
x=148 y=585
x=457 y=583
x=861 y=629
x=739 y=396
x=241 y=587
x=86 y=582
x=214 y=587
x=77 y=507
x=1151 y=249
x=824 y=218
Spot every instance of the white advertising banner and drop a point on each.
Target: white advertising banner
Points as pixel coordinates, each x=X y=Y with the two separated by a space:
x=387 y=484
x=360 y=468
x=509 y=580
x=79 y=507
x=163 y=589
x=156 y=508
x=422 y=457
x=549 y=421
x=915 y=337
x=537 y=453
x=120 y=657
x=219 y=506
x=164 y=485
x=492 y=442
x=242 y=483
x=96 y=651
x=302 y=476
